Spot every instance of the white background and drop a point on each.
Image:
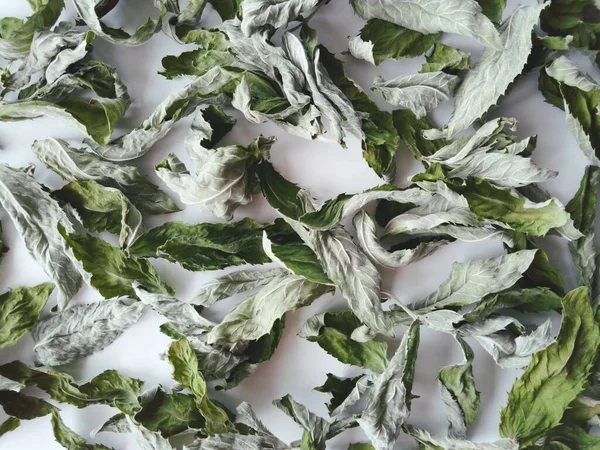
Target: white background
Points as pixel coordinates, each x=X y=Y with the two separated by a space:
x=326 y=170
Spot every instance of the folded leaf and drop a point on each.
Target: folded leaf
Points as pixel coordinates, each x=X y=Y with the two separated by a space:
x=533 y=219
x=103 y=209
x=10 y=424
x=343 y=262
x=499 y=65
x=78 y=165
x=68 y=438
x=315 y=428
x=175 y=107
x=410 y=129
x=489 y=154
x=185 y=371
x=110 y=270
x=255 y=316
x=380 y=40
x=108 y=388
x=419 y=92
x=24 y=407
x=365 y=233
x=459 y=17
x=461 y=398
x=555 y=375
x=389 y=404
x=168 y=413
x=346 y=205
x=82 y=330
x=344 y=391
x=19 y=311
x=582 y=209
x=35 y=216
x=529 y=300
x=332 y=331
x=86 y=9
x=16 y=34
x=225 y=176
x=96 y=118
x=447 y=59
x=204 y=246
x=564 y=86
x=381 y=138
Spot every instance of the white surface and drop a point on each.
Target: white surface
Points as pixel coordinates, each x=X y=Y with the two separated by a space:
x=327 y=170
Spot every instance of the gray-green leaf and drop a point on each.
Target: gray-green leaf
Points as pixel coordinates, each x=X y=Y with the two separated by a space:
x=82 y=330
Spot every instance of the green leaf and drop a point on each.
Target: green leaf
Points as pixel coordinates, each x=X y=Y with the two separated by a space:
x=448 y=59
x=255 y=316
x=493 y=9
x=461 y=398
x=389 y=401
x=572 y=437
x=169 y=413
x=410 y=129
x=111 y=271
x=96 y=117
x=333 y=211
x=185 y=371
x=16 y=34
x=296 y=257
x=361 y=446
x=214 y=52
x=555 y=376
x=565 y=87
x=103 y=209
x=10 y=424
x=541 y=272
x=24 y=407
x=489 y=202
x=573 y=18
x=82 y=330
x=380 y=40
x=78 y=165
x=283 y=195
x=108 y=388
x=538 y=299
x=204 y=246
x=69 y=439
x=582 y=209
x=227 y=9
x=19 y=311
x=333 y=331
